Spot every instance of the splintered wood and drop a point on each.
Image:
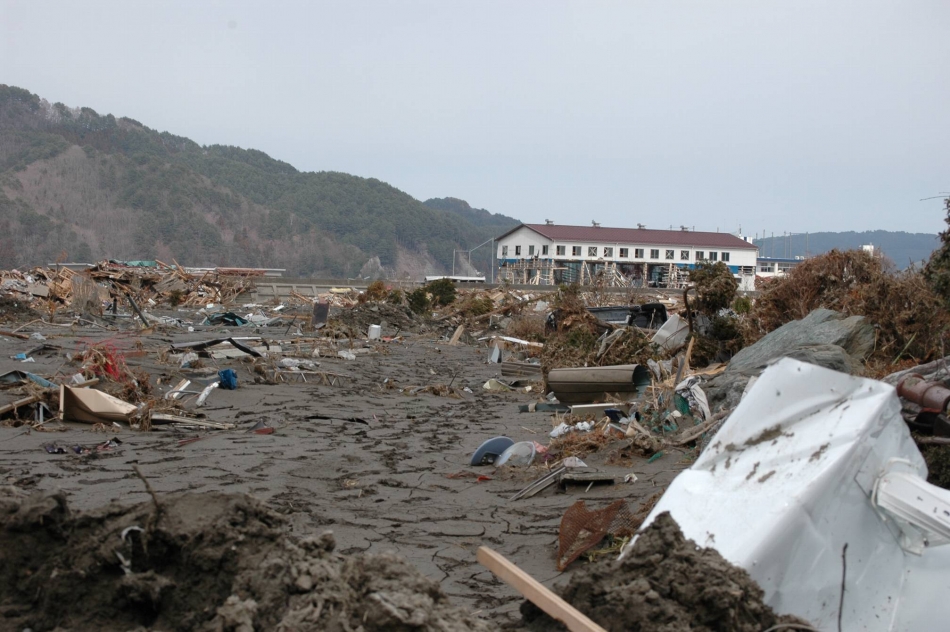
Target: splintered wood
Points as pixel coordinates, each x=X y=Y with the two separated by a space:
x=91 y=290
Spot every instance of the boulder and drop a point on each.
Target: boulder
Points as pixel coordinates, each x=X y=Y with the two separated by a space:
x=824 y=337
x=854 y=334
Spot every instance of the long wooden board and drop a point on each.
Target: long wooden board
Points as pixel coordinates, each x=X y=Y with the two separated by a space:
x=535 y=592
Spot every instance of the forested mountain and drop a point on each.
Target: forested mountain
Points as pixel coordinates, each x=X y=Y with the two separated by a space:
x=477 y=216
x=902 y=248
x=82 y=186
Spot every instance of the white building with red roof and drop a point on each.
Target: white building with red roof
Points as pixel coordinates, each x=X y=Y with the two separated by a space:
x=552 y=253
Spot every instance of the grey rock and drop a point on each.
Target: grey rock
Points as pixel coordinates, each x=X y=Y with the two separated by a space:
x=724 y=391
x=824 y=337
x=829 y=356
x=854 y=334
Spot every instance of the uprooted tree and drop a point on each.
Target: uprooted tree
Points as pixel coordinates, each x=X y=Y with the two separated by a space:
x=715 y=286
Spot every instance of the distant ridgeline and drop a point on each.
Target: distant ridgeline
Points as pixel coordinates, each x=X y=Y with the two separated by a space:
x=79 y=186
x=902 y=248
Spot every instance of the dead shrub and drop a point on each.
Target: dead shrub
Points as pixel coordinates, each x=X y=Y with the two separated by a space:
x=908 y=314
x=528 y=327
x=580 y=444
x=723 y=339
x=376 y=292
x=632 y=347
x=472 y=305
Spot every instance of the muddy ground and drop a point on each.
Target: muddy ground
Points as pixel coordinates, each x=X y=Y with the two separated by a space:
x=386 y=472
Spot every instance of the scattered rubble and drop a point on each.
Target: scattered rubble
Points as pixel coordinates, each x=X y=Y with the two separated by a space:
x=581 y=390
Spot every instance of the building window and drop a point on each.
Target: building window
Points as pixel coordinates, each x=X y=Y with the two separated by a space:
x=608 y=251
x=725 y=256
x=684 y=255
x=517 y=250
x=624 y=253
x=575 y=251
x=766 y=268
x=530 y=251
x=654 y=253
x=591 y=251
x=713 y=255
x=670 y=254
x=544 y=251
x=504 y=251
x=638 y=253
x=700 y=255
x=561 y=250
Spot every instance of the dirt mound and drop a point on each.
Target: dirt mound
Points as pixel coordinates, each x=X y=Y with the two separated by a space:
x=14 y=310
x=210 y=562
x=665 y=584
x=395 y=317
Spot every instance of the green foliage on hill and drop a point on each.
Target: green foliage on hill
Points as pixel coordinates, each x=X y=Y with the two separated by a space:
x=476 y=216
x=225 y=203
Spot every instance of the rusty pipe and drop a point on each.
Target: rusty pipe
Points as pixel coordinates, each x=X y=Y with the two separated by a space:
x=930 y=395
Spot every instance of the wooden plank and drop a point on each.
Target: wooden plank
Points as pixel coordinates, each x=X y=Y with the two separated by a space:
x=32 y=399
x=159 y=418
x=535 y=592
x=457 y=335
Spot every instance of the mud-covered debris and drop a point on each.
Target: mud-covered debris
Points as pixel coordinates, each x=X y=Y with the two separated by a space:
x=208 y=562
x=665 y=583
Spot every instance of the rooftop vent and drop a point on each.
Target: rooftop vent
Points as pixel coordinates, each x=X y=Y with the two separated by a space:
x=549 y=222
x=595 y=224
x=684 y=228
x=641 y=226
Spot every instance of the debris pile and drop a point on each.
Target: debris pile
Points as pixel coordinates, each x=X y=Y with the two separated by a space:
x=610 y=390
x=94 y=289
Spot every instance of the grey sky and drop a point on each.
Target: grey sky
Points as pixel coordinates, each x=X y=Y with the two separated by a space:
x=798 y=116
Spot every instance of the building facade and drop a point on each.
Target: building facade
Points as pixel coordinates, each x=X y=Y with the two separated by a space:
x=639 y=257
x=771 y=267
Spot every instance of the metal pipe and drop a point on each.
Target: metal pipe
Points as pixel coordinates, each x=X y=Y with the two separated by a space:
x=929 y=395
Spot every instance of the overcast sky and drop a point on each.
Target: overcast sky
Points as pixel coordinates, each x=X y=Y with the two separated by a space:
x=776 y=116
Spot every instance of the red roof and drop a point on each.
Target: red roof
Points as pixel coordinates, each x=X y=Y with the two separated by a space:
x=645 y=236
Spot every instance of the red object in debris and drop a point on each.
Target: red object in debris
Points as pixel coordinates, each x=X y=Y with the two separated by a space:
x=482 y=478
x=264 y=431
x=187 y=441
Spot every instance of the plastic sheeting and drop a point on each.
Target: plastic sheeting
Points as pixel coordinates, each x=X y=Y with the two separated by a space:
x=811 y=462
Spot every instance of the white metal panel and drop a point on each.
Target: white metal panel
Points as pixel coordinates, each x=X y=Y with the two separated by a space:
x=788 y=482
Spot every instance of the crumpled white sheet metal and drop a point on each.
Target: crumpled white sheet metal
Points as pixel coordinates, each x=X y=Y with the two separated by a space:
x=810 y=461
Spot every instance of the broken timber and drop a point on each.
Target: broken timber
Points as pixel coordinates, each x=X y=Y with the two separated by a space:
x=535 y=592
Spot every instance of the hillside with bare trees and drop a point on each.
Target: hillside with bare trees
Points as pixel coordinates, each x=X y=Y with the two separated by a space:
x=78 y=186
